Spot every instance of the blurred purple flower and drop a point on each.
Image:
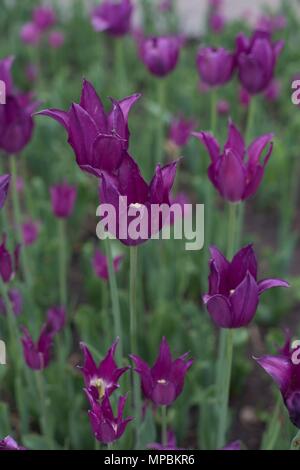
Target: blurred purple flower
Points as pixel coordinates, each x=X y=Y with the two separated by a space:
x=56 y=39
x=164 y=382
x=234 y=291
x=171 y=444
x=217 y=22
x=9 y=263
x=180 y=131
x=215 y=66
x=100 y=264
x=98 y=140
x=37 y=354
x=44 y=17
x=256 y=60
x=102 y=379
x=56 y=319
x=160 y=54
x=272 y=93
x=30 y=232
x=63 y=198
x=8 y=443
x=5 y=73
x=286 y=373
x=244 y=97
x=30 y=34
x=237 y=171
x=4 y=186
x=105 y=426
x=16 y=301
x=236 y=445
x=271 y=24
x=223 y=107
x=113 y=17
x=165 y=5
x=31 y=72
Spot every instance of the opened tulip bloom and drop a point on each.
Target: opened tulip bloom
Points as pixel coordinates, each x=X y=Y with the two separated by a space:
x=37 y=354
x=8 y=443
x=4 y=185
x=215 y=66
x=256 y=60
x=284 y=369
x=160 y=54
x=103 y=378
x=16 y=300
x=56 y=319
x=99 y=140
x=63 y=198
x=113 y=17
x=237 y=171
x=180 y=131
x=234 y=290
x=106 y=427
x=163 y=382
x=9 y=263
x=100 y=264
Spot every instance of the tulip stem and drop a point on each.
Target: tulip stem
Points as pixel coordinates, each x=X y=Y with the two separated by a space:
x=62 y=262
x=164 y=426
x=44 y=422
x=295 y=445
x=114 y=300
x=161 y=101
x=120 y=67
x=18 y=221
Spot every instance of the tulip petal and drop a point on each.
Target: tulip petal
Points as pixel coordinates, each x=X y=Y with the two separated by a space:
x=91 y=102
x=244 y=301
x=235 y=141
x=231 y=177
x=279 y=368
x=270 y=283
x=243 y=261
x=82 y=134
x=219 y=309
x=257 y=147
x=62 y=117
x=210 y=143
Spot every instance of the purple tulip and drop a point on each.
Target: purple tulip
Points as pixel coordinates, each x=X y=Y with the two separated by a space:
x=132 y=198
x=8 y=263
x=236 y=172
x=56 y=319
x=271 y=24
x=56 y=39
x=16 y=301
x=244 y=98
x=5 y=73
x=164 y=382
x=100 y=265
x=8 y=443
x=234 y=291
x=160 y=54
x=180 y=131
x=272 y=93
x=215 y=66
x=44 y=17
x=31 y=73
x=183 y=200
x=285 y=371
x=112 y=17
x=30 y=34
x=236 y=445
x=63 y=198
x=217 y=22
x=171 y=444
x=256 y=60
x=223 y=107
x=37 y=355
x=106 y=427
x=30 y=232
x=98 y=140
x=102 y=379
x=4 y=186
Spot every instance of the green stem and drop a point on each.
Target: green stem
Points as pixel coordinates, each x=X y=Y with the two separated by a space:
x=161 y=101
x=44 y=421
x=164 y=426
x=114 y=299
x=62 y=262
x=213 y=111
x=121 y=76
x=295 y=445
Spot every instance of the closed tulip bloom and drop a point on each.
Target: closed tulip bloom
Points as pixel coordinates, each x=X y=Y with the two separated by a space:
x=30 y=34
x=284 y=369
x=160 y=54
x=8 y=443
x=4 y=186
x=99 y=140
x=217 y=22
x=180 y=131
x=44 y=17
x=163 y=382
x=16 y=300
x=100 y=265
x=37 y=354
x=113 y=17
x=30 y=232
x=63 y=198
x=234 y=290
x=215 y=66
x=9 y=263
x=237 y=171
x=103 y=378
x=256 y=60
x=56 y=39
x=56 y=319
x=106 y=427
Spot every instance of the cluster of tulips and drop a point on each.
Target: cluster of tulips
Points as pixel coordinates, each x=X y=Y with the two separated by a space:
x=100 y=141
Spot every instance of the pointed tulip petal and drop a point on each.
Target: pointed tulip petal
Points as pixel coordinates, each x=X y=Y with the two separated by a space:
x=270 y=283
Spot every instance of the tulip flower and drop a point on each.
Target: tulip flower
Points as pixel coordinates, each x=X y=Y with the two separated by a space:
x=113 y=17
x=285 y=371
x=63 y=198
x=236 y=445
x=160 y=54
x=217 y=22
x=100 y=265
x=5 y=73
x=9 y=263
x=56 y=319
x=271 y=24
x=223 y=107
x=31 y=72
x=180 y=131
x=237 y=171
x=4 y=185
x=103 y=378
x=56 y=39
x=44 y=17
x=244 y=98
x=16 y=300
x=106 y=427
x=234 y=290
x=30 y=34
x=8 y=443
x=98 y=140
x=272 y=93
x=30 y=231
x=37 y=354
x=256 y=60
x=164 y=382
x=132 y=200
x=215 y=66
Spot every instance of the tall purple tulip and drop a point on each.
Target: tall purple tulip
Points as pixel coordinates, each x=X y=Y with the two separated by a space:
x=100 y=265
x=285 y=371
x=106 y=427
x=113 y=17
x=37 y=355
x=160 y=54
x=16 y=300
x=180 y=131
x=44 y=17
x=234 y=290
x=30 y=232
x=256 y=60
x=215 y=66
x=103 y=378
x=163 y=382
x=9 y=263
x=8 y=443
x=237 y=171
x=56 y=319
x=99 y=140
x=4 y=185
x=63 y=198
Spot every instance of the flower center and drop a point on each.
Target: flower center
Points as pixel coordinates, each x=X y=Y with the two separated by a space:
x=162 y=381
x=231 y=291
x=100 y=385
